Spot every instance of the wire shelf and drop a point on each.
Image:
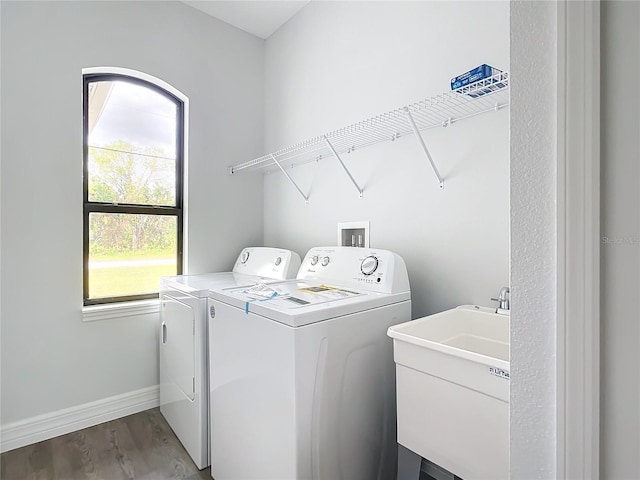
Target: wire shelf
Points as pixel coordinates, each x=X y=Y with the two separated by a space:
x=489 y=94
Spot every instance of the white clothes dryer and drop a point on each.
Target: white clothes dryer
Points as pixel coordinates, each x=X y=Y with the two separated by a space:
x=302 y=372
x=184 y=391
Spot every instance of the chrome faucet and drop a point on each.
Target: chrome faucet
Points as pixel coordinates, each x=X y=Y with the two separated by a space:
x=503 y=301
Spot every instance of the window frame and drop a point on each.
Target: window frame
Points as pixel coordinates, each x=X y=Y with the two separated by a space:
x=129 y=208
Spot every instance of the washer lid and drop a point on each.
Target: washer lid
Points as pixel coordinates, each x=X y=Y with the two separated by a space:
x=298 y=303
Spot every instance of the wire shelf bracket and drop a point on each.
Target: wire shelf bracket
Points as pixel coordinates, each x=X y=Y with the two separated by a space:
x=335 y=154
x=306 y=197
x=424 y=147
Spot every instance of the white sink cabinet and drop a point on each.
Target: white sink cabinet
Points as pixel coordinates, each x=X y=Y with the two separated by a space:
x=452 y=374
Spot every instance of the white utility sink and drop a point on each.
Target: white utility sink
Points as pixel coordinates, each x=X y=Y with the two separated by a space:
x=475 y=333
x=452 y=372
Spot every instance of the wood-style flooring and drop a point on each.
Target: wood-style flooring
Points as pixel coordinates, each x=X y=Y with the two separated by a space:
x=140 y=446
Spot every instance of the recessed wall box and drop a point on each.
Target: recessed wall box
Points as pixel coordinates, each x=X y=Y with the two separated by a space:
x=353 y=234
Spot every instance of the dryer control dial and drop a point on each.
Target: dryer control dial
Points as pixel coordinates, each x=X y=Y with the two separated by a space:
x=314 y=260
x=325 y=261
x=278 y=261
x=244 y=257
x=369 y=265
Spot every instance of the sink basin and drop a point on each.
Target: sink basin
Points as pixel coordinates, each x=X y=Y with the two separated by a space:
x=452 y=382
x=472 y=332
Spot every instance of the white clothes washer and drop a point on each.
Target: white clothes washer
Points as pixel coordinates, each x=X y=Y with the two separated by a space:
x=302 y=373
x=184 y=390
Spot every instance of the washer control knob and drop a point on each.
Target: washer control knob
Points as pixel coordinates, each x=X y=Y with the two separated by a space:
x=244 y=257
x=314 y=259
x=369 y=265
x=278 y=261
x=325 y=261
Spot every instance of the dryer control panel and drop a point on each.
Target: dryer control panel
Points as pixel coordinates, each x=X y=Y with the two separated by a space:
x=371 y=269
x=276 y=263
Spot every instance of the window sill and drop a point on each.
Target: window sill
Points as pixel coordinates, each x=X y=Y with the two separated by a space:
x=120 y=310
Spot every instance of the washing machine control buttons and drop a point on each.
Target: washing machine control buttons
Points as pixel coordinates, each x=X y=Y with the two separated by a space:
x=325 y=261
x=244 y=257
x=314 y=260
x=370 y=280
x=278 y=261
x=369 y=265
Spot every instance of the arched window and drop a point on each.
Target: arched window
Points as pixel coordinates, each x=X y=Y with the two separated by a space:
x=133 y=187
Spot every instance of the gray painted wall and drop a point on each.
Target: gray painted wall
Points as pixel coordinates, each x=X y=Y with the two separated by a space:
x=336 y=63
x=620 y=249
x=50 y=359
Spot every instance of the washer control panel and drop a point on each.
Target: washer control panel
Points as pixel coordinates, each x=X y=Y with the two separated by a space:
x=366 y=268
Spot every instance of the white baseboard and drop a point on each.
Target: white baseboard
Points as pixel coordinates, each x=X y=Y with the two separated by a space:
x=42 y=427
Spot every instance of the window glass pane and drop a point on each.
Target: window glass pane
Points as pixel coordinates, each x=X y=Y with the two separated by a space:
x=122 y=177
x=128 y=253
x=132 y=113
x=132 y=144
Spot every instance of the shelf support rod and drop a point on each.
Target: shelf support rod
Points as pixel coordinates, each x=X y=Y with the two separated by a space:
x=306 y=198
x=424 y=147
x=335 y=154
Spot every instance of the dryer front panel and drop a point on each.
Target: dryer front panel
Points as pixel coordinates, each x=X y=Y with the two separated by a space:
x=177 y=350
